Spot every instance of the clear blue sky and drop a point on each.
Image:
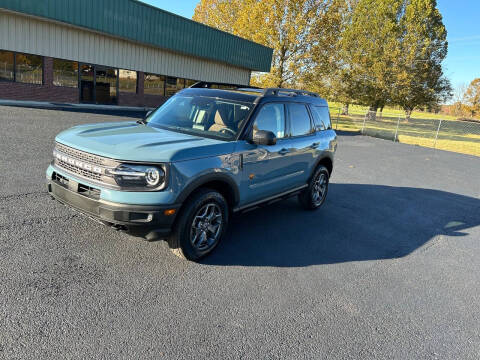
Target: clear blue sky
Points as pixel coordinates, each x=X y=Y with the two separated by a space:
x=461 y=17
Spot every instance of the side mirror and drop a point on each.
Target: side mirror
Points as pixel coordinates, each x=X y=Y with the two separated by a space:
x=148 y=114
x=264 y=137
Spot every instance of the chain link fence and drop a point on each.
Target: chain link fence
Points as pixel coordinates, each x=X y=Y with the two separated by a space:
x=451 y=135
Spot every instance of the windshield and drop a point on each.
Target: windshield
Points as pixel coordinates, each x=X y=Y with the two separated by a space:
x=201 y=116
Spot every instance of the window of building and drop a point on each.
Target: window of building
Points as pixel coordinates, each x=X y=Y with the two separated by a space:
x=105 y=85
x=173 y=85
x=299 y=119
x=7 y=70
x=154 y=84
x=127 y=81
x=28 y=69
x=271 y=117
x=65 y=73
x=321 y=115
x=189 y=82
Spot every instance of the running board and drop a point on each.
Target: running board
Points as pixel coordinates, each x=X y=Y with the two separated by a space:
x=269 y=200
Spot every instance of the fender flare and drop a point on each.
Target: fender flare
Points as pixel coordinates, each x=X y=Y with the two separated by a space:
x=204 y=179
x=319 y=160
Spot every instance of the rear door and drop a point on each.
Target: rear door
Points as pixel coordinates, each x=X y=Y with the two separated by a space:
x=302 y=143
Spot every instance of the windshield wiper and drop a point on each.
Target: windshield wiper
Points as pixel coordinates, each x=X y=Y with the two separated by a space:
x=142 y=121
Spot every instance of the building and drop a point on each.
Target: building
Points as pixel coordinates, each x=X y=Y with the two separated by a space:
x=120 y=52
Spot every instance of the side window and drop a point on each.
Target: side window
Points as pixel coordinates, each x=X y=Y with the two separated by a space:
x=271 y=117
x=321 y=115
x=300 y=123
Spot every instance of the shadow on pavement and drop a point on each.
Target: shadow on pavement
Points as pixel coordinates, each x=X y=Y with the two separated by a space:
x=357 y=223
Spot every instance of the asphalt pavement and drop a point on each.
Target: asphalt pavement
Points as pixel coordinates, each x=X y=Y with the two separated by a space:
x=387 y=269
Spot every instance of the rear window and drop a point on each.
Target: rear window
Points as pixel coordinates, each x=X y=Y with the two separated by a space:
x=321 y=116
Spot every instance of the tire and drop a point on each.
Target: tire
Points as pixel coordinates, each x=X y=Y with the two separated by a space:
x=201 y=225
x=311 y=198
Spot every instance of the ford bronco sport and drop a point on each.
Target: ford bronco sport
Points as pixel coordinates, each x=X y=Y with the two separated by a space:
x=203 y=155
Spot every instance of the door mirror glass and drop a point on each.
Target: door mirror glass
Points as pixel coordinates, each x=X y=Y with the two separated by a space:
x=264 y=137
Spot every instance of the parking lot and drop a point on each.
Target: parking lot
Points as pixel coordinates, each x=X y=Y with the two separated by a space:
x=387 y=269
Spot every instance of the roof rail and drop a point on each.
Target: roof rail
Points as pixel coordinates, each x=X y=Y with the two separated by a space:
x=288 y=92
x=208 y=85
x=264 y=92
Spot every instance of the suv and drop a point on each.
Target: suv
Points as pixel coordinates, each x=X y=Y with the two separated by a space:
x=202 y=156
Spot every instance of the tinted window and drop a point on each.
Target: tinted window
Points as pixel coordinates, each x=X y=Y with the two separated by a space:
x=173 y=85
x=29 y=69
x=127 y=81
x=6 y=65
x=299 y=119
x=154 y=84
x=271 y=117
x=65 y=73
x=321 y=115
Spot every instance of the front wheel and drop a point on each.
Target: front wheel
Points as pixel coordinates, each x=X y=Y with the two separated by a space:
x=201 y=225
x=314 y=195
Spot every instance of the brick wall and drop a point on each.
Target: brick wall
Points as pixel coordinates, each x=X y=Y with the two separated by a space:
x=46 y=92
x=140 y=99
x=50 y=93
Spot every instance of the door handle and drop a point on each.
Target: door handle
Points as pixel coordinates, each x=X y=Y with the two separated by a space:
x=315 y=145
x=284 y=151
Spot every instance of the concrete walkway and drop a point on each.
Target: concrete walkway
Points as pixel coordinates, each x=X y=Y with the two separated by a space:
x=73 y=107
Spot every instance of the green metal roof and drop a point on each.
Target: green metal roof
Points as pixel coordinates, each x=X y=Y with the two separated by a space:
x=139 y=22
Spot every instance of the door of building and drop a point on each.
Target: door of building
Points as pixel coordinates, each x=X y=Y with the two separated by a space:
x=98 y=84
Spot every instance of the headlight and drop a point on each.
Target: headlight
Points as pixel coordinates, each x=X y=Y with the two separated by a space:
x=143 y=177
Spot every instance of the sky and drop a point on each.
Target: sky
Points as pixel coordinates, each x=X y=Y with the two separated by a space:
x=461 y=18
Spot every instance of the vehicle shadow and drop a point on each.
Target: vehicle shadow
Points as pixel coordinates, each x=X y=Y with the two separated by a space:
x=357 y=223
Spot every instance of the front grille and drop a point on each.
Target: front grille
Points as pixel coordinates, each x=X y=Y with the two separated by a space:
x=80 y=155
x=78 y=171
x=85 y=165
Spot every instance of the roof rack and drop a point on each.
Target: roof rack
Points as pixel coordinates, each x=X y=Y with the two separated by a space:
x=288 y=92
x=208 y=85
x=263 y=92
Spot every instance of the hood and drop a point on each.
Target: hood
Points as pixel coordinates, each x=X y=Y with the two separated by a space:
x=137 y=142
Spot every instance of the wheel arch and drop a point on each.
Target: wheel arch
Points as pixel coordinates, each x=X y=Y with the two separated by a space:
x=325 y=161
x=222 y=183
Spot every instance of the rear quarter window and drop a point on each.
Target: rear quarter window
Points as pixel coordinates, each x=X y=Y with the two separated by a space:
x=321 y=116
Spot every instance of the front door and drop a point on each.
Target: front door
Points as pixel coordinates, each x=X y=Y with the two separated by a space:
x=268 y=170
x=98 y=84
x=87 y=83
x=105 y=85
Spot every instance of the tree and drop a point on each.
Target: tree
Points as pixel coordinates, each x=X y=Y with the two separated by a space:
x=421 y=48
x=367 y=51
x=328 y=74
x=284 y=25
x=472 y=97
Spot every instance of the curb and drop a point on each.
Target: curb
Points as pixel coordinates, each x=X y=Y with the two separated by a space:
x=74 y=107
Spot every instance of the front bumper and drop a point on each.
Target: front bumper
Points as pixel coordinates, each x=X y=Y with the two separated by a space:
x=145 y=221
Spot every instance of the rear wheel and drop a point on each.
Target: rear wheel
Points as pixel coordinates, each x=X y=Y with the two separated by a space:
x=314 y=195
x=201 y=225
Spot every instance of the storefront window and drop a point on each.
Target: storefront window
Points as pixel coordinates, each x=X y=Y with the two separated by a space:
x=65 y=73
x=128 y=81
x=29 y=69
x=173 y=85
x=189 y=82
x=154 y=84
x=106 y=86
x=6 y=65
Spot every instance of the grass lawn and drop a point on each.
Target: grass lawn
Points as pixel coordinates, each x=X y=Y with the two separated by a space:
x=361 y=110
x=458 y=136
